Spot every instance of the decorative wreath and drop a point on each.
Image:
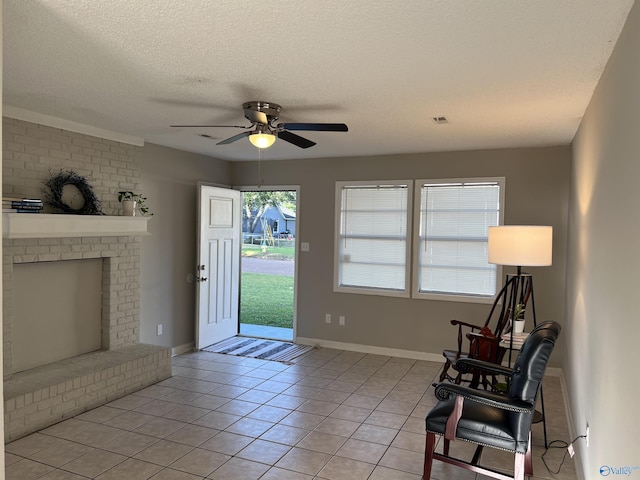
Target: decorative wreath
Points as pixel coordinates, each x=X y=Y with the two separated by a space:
x=56 y=185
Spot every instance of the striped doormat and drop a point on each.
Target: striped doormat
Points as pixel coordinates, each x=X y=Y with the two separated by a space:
x=259 y=348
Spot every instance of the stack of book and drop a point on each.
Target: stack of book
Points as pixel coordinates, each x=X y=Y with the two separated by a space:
x=21 y=205
x=518 y=338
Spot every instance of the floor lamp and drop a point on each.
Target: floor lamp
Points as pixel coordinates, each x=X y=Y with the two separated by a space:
x=521 y=246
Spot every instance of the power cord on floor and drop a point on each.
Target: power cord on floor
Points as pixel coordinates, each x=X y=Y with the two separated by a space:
x=560 y=444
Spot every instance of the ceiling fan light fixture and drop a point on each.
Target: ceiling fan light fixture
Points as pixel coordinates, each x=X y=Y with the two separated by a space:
x=262 y=140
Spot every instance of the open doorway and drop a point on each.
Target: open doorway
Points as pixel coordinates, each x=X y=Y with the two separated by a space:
x=267 y=267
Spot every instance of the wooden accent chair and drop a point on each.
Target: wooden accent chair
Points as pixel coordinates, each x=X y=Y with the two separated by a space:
x=490 y=419
x=484 y=340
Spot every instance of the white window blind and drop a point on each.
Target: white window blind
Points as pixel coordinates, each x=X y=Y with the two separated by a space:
x=372 y=245
x=454 y=222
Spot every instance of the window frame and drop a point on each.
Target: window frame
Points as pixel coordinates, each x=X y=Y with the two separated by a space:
x=415 y=280
x=339 y=187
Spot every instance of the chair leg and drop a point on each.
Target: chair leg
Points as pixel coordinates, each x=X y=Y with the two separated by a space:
x=445 y=446
x=519 y=467
x=476 y=456
x=528 y=459
x=443 y=375
x=429 y=447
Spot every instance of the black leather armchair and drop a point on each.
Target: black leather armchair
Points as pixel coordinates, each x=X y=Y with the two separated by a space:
x=490 y=419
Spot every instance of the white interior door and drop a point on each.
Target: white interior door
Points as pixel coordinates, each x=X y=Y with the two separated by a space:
x=218 y=264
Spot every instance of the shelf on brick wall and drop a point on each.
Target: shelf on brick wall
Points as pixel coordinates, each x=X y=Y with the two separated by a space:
x=43 y=225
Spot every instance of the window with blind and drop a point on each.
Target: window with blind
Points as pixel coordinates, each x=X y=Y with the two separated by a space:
x=452 y=219
x=372 y=242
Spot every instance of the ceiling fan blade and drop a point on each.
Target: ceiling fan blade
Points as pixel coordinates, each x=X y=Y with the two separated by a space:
x=211 y=126
x=297 y=140
x=318 y=127
x=235 y=138
x=255 y=117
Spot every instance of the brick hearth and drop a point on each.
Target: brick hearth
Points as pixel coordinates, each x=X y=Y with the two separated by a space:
x=48 y=394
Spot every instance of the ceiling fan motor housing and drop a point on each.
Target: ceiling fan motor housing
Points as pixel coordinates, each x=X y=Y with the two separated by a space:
x=271 y=110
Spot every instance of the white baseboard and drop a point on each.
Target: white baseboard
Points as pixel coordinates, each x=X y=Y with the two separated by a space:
x=571 y=424
x=392 y=352
x=355 y=347
x=553 y=372
x=180 y=349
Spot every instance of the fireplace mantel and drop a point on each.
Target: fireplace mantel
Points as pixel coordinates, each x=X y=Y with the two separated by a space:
x=43 y=225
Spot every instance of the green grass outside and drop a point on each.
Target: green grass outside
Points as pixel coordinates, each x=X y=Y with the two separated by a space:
x=266 y=300
x=279 y=253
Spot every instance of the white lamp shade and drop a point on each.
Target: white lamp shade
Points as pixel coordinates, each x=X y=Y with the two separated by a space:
x=521 y=245
x=262 y=140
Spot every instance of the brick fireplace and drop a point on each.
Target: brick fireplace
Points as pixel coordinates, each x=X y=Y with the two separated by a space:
x=47 y=394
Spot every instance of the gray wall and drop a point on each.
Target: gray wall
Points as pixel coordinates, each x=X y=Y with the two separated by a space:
x=1 y=300
x=537 y=186
x=537 y=182
x=169 y=180
x=602 y=328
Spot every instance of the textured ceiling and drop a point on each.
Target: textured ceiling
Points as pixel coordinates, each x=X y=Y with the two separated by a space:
x=506 y=73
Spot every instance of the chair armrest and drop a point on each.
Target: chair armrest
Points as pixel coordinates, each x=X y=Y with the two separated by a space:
x=461 y=324
x=444 y=390
x=465 y=324
x=465 y=365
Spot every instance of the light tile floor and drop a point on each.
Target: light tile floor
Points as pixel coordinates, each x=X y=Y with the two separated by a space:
x=332 y=415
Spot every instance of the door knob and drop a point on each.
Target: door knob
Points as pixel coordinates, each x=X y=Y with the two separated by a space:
x=201 y=279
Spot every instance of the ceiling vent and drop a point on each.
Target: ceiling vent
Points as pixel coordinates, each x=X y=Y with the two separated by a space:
x=440 y=120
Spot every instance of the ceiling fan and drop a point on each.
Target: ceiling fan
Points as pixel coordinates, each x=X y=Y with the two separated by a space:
x=263 y=130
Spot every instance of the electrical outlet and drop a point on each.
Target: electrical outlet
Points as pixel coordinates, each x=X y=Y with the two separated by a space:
x=341 y=319
x=586 y=435
x=327 y=318
x=159 y=329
